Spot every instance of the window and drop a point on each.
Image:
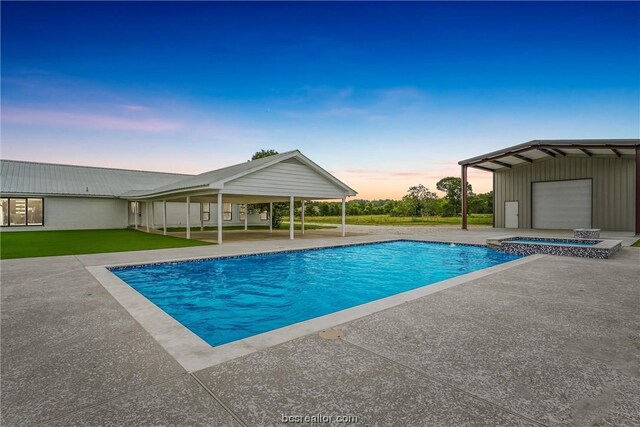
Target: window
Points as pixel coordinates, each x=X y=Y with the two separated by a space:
x=205 y=215
x=135 y=207
x=21 y=211
x=264 y=216
x=242 y=212
x=227 y=211
x=4 y=211
x=34 y=211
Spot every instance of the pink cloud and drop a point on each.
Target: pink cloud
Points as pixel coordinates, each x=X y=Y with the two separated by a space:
x=84 y=120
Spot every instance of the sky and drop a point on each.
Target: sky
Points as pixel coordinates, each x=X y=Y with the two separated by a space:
x=382 y=95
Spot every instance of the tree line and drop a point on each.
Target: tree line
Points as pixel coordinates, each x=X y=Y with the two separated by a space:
x=418 y=202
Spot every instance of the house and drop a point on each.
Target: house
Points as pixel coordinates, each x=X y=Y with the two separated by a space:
x=42 y=196
x=564 y=184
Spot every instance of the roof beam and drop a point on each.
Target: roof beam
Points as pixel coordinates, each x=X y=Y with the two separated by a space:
x=616 y=152
x=483 y=168
x=587 y=152
x=559 y=151
x=503 y=164
x=547 y=152
x=521 y=157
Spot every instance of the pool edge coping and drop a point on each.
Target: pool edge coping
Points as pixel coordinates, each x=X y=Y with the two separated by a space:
x=194 y=354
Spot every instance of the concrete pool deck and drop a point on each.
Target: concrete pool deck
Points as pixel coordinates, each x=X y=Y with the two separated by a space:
x=554 y=340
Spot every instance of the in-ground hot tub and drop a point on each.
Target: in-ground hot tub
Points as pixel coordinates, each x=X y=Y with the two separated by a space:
x=525 y=245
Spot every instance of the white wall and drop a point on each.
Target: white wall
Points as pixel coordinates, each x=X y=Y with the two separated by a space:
x=177 y=215
x=82 y=213
x=77 y=213
x=287 y=178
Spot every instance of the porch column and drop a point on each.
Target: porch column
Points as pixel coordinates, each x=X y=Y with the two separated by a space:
x=344 y=216
x=201 y=216
x=135 y=215
x=464 y=198
x=188 y=217
x=246 y=216
x=302 y=218
x=164 y=217
x=153 y=215
x=270 y=217
x=291 y=218
x=147 y=209
x=219 y=218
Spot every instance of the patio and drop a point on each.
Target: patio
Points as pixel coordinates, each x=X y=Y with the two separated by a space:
x=551 y=341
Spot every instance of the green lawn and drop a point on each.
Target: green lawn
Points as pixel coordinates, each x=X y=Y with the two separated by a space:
x=637 y=244
x=26 y=244
x=476 y=219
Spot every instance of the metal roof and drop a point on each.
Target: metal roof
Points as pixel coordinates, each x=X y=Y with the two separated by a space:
x=544 y=149
x=215 y=179
x=25 y=178
x=19 y=177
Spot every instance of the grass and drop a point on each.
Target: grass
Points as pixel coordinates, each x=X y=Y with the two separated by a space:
x=475 y=219
x=636 y=244
x=26 y=244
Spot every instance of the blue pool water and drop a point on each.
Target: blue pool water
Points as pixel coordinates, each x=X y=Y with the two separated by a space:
x=227 y=299
x=557 y=242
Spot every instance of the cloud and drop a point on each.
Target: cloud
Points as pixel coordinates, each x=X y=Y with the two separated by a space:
x=133 y=107
x=83 y=120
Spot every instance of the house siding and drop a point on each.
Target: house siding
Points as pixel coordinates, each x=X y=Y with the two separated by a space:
x=613 y=188
x=285 y=179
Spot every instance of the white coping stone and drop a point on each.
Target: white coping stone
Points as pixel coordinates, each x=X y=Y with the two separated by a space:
x=194 y=354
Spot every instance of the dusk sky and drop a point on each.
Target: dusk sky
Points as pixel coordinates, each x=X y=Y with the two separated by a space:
x=383 y=95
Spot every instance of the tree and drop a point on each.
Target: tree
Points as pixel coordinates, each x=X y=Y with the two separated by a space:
x=453 y=187
x=263 y=153
x=418 y=200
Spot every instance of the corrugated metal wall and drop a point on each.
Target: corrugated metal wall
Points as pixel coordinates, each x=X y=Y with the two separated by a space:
x=613 y=188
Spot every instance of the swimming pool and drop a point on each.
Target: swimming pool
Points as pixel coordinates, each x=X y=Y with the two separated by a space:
x=226 y=299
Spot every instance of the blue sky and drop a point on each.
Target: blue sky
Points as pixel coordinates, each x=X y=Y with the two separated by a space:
x=384 y=95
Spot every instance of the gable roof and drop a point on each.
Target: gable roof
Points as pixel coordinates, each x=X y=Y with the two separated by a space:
x=548 y=148
x=217 y=178
x=25 y=178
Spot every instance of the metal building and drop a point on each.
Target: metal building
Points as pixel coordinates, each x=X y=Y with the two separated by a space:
x=563 y=184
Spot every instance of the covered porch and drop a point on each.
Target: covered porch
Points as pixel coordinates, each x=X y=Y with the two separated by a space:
x=289 y=178
x=205 y=201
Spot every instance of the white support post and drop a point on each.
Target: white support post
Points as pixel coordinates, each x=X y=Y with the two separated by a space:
x=188 y=217
x=344 y=216
x=164 y=217
x=201 y=216
x=291 y=217
x=146 y=205
x=135 y=214
x=246 y=217
x=153 y=215
x=302 y=218
x=219 y=218
x=270 y=217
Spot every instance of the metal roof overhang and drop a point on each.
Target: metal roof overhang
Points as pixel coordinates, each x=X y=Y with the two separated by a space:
x=545 y=149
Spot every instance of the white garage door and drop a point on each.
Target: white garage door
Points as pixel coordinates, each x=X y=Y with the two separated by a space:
x=561 y=204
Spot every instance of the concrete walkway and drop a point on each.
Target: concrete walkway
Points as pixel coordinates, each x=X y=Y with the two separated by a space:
x=553 y=341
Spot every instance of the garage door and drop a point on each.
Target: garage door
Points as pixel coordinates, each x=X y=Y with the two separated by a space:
x=561 y=204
